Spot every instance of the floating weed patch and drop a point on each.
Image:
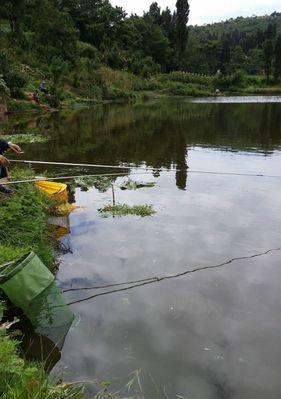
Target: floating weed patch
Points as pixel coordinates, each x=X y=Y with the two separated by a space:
x=103 y=184
x=126 y=210
x=26 y=138
x=100 y=183
x=134 y=185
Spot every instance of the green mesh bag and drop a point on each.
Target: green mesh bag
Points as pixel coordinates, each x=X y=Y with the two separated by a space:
x=50 y=315
x=24 y=279
x=31 y=286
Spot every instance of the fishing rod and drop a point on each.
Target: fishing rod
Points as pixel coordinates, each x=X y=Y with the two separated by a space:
x=187 y=170
x=59 y=178
x=86 y=165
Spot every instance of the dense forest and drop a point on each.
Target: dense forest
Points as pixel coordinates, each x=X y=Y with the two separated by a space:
x=92 y=49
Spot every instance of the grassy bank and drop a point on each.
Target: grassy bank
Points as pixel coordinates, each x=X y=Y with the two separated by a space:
x=24 y=227
x=107 y=85
x=23 y=222
x=20 y=379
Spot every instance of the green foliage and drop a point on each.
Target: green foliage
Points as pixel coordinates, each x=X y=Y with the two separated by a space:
x=277 y=59
x=93 y=50
x=3 y=86
x=23 y=222
x=182 y=15
x=268 y=57
x=12 y=77
x=22 y=380
x=144 y=66
x=26 y=138
x=187 y=78
x=234 y=81
x=134 y=185
x=100 y=183
x=126 y=210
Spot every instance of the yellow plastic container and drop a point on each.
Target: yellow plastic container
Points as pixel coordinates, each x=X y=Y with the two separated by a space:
x=57 y=191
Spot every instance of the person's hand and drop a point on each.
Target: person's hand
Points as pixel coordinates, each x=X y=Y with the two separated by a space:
x=16 y=148
x=4 y=161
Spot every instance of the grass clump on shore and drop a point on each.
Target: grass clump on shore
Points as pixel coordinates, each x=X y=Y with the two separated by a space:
x=26 y=138
x=23 y=222
x=126 y=210
x=20 y=379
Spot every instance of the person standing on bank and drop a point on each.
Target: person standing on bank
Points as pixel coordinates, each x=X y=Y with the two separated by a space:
x=4 y=163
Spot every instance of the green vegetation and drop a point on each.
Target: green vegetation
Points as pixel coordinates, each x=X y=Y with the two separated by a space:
x=134 y=185
x=23 y=380
x=23 y=222
x=27 y=138
x=100 y=183
x=93 y=51
x=126 y=210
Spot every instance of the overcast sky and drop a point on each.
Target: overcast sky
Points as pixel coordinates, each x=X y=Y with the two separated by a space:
x=206 y=11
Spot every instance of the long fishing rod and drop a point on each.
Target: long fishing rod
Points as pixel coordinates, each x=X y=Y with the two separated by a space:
x=85 y=165
x=59 y=178
x=205 y=172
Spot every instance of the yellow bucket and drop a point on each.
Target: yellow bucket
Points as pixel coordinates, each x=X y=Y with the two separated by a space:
x=57 y=191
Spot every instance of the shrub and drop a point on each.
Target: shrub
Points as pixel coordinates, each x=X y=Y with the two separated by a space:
x=187 y=77
x=145 y=66
x=234 y=81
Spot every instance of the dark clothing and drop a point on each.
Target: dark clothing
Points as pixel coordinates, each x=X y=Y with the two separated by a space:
x=3 y=172
x=3 y=147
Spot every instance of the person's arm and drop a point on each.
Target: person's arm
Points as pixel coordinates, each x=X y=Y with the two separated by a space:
x=3 y=161
x=15 y=148
x=5 y=145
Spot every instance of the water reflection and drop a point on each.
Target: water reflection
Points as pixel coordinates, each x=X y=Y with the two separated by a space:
x=212 y=335
x=157 y=134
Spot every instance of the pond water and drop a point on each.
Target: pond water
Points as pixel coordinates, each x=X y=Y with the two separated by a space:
x=211 y=334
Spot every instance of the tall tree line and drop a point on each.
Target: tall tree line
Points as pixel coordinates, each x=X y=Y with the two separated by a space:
x=63 y=33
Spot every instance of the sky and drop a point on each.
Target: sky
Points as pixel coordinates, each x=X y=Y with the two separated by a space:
x=208 y=11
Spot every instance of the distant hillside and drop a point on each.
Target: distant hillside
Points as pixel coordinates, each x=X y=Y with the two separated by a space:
x=91 y=50
x=237 y=28
x=249 y=44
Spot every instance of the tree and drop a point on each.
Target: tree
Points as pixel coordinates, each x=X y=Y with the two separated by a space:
x=268 y=58
x=277 y=58
x=168 y=24
x=13 y=10
x=182 y=15
x=54 y=33
x=238 y=59
x=224 y=56
x=154 y=12
x=254 y=63
x=270 y=32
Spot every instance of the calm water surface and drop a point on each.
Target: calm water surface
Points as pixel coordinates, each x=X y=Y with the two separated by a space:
x=214 y=334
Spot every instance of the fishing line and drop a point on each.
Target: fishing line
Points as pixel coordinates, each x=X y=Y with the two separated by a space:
x=146 y=168
x=152 y=280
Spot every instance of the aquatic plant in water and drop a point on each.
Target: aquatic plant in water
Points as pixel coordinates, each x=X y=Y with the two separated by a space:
x=126 y=210
x=100 y=183
x=134 y=185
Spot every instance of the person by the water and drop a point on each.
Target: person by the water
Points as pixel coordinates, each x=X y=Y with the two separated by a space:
x=4 y=163
x=42 y=87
